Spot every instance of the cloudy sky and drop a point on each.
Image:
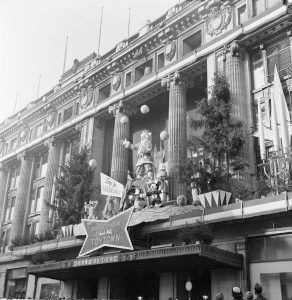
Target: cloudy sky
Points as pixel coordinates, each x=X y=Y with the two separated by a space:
x=33 y=36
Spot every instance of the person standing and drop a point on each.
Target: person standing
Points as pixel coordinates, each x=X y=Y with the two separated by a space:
x=258 y=292
x=237 y=293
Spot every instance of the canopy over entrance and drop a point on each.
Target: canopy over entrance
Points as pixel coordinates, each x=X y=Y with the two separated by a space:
x=179 y=258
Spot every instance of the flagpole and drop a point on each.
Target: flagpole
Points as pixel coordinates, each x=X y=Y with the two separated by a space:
x=100 y=25
x=261 y=132
x=15 y=102
x=39 y=86
x=65 y=56
x=129 y=20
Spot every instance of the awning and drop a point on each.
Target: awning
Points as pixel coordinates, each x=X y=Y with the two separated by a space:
x=178 y=258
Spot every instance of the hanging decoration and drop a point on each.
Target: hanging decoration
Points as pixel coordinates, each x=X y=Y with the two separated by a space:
x=124 y=120
x=164 y=135
x=144 y=109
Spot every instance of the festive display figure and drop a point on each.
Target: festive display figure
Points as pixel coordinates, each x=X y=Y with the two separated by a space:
x=162 y=180
x=109 y=210
x=154 y=194
x=144 y=163
x=90 y=209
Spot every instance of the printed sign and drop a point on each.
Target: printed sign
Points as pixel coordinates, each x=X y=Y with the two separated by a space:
x=110 y=233
x=110 y=187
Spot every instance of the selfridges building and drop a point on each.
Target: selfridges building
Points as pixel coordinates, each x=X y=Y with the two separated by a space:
x=131 y=109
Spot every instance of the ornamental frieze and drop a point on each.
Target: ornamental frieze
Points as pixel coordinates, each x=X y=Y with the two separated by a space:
x=169 y=50
x=218 y=18
x=86 y=96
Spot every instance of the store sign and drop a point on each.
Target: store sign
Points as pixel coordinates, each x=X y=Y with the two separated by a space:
x=106 y=259
x=110 y=187
x=110 y=233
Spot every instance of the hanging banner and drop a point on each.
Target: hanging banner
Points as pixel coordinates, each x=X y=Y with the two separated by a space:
x=110 y=187
x=110 y=233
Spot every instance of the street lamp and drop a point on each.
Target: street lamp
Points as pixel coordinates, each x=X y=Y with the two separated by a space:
x=189 y=287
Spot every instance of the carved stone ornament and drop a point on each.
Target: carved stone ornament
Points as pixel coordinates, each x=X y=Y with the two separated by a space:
x=50 y=120
x=24 y=133
x=86 y=97
x=170 y=50
x=116 y=81
x=218 y=18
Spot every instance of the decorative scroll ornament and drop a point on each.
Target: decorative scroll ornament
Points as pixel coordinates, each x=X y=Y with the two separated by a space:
x=218 y=18
x=170 y=50
x=116 y=81
x=86 y=97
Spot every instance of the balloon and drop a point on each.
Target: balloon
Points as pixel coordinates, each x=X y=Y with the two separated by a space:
x=144 y=109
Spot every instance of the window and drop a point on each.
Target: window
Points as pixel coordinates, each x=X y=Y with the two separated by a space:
x=14 y=177
x=36 y=199
x=128 y=79
x=279 y=54
x=71 y=147
x=258 y=70
x=192 y=42
x=30 y=134
x=259 y=6
x=9 y=208
x=241 y=14
x=59 y=118
x=40 y=166
x=104 y=92
x=39 y=130
x=13 y=144
x=33 y=228
x=143 y=70
x=160 y=61
x=68 y=113
x=77 y=108
x=5 y=238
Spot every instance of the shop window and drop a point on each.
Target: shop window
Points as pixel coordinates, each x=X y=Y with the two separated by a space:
x=39 y=130
x=143 y=70
x=160 y=61
x=16 y=283
x=104 y=92
x=241 y=14
x=192 y=43
x=128 y=78
x=68 y=113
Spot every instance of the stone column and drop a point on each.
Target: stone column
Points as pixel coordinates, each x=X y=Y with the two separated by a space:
x=4 y=175
x=235 y=59
x=52 y=171
x=120 y=155
x=18 y=218
x=177 y=129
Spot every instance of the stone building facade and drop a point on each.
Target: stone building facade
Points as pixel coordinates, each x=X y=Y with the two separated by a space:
x=169 y=66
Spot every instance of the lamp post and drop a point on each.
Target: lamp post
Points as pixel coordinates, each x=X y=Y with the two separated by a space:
x=189 y=287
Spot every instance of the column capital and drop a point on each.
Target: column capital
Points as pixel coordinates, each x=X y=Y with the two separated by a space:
x=122 y=107
x=177 y=78
x=23 y=155
x=50 y=141
x=235 y=49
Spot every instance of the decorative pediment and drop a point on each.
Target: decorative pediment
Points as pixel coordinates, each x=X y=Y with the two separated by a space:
x=218 y=19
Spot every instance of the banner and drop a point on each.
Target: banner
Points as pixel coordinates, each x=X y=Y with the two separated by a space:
x=110 y=187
